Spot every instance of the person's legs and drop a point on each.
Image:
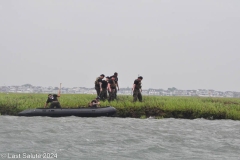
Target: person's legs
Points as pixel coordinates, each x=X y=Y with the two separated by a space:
x=55 y=104
x=52 y=105
x=101 y=95
x=135 y=95
x=115 y=93
x=104 y=94
x=58 y=105
x=140 y=96
x=111 y=95
x=97 y=90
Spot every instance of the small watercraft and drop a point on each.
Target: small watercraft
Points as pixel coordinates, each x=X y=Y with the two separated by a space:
x=63 y=112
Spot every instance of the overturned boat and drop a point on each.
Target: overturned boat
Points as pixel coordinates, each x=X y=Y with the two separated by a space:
x=63 y=112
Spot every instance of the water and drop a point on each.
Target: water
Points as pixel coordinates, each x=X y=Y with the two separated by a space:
x=118 y=138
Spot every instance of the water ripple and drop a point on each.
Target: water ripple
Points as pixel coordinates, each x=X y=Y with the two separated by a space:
x=121 y=138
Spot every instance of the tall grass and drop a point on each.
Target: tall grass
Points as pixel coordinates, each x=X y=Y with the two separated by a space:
x=177 y=107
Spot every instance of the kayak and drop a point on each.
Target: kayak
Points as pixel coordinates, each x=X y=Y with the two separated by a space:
x=63 y=112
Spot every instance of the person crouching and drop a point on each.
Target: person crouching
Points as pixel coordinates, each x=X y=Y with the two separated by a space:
x=53 y=99
x=95 y=103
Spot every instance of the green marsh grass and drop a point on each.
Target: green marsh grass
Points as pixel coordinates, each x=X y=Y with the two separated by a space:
x=157 y=106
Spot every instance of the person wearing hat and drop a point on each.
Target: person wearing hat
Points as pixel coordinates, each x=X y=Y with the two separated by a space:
x=95 y=103
x=98 y=83
x=111 y=88
x=116 y=82
x=137 y=89
x=103 y=89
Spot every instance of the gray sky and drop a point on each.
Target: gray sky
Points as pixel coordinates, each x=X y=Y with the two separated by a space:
x=187 y=44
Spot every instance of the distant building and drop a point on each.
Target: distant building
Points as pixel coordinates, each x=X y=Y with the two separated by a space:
x=27 y=88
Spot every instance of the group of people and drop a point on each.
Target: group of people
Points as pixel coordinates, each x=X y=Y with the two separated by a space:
x=103 y=86
x=107 y=85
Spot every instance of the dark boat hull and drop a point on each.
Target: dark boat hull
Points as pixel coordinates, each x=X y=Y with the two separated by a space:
x=63 y=112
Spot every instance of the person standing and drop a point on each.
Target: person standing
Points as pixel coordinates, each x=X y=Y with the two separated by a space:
x=103 y=89
x=98 y=83
x=116 y=82
x=137 y=89
x=111 y=88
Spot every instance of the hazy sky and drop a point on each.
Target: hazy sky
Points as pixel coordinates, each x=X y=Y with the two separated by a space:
x=187 y=44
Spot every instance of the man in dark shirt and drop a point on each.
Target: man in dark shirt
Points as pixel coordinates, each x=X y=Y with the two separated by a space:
x=116 y=82
x=98 y=82
x=103 y=89
x=53 y=100
x=137 y=89
x=111 y=88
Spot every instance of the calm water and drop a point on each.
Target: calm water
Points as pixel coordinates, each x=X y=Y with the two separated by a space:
x=118 y=138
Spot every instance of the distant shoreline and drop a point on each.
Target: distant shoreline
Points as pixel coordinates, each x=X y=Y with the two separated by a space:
x=28 y=88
